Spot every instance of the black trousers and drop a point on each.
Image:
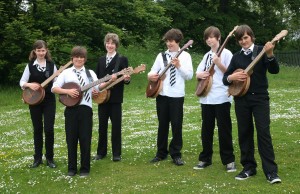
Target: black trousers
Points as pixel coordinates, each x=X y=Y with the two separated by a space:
x=78 y=126
x=169 y=110
x=43 y=117
x=114 y=112
x=255 y=106
x=221 y=113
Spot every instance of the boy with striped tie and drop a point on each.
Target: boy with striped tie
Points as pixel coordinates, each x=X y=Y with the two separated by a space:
x=169 y=102
x=78 y=119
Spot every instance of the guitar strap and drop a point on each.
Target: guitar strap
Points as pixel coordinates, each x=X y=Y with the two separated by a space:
x=117 y=64
x=254 y=54
x=206 y=62
x=87 y=71
x=47 y=72
x=164 y=58
x=208 y=57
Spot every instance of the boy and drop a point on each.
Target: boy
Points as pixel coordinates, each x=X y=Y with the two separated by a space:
x=78 y=119
x=216 y=104
x=108 y=65
x=169 y=102
x=254 y=104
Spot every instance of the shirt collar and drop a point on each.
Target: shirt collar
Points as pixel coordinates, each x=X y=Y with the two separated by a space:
x=251 y=48
x=112 y=56
x=35 y=63
x=211 y=53
x=81 y=69
x=172 y=54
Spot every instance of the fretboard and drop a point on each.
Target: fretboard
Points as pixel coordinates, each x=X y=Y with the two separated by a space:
x=99 y=81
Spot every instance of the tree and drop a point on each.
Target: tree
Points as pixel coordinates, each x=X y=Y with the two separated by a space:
x=192 y=17
x=65 y=23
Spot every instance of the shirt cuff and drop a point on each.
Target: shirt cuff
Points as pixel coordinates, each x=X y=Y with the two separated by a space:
x=228 y=80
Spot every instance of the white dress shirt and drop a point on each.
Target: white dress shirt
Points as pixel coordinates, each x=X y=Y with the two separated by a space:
x=218 y=93
x=185 y=72
x=68 y=75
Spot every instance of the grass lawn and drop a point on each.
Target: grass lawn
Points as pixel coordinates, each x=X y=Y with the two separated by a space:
x=134 y=174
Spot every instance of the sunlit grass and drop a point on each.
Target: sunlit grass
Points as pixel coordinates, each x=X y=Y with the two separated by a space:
x=134 y=174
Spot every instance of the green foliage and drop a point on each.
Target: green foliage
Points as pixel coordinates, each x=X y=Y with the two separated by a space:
x=65 y=23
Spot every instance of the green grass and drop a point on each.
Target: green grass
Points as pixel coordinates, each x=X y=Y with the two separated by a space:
x=134 y=174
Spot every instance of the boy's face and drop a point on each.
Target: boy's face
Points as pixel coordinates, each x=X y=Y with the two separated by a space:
x=212 y=41
x=110 y=46
x=78 y=61
x=172 y=45
x=245 y=41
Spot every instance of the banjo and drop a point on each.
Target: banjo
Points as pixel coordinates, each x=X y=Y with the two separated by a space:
x=35 y=97
x=204 y=85
x=240 y=88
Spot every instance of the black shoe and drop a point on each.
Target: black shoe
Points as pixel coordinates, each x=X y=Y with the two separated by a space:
x=51 y=164
x=84 y=174
x=230 y=167
x=273 y=178
x=116 y=158
x=71 y=173
x=178 y=161
x=98 y=157
x=157 y=159
x=245 y=174
x=202 y=165
x=36 y=163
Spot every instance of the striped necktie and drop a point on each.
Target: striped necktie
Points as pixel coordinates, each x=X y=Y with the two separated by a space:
x=82 y=83
x=40 y=69
x=172 y=71
x=108 y=59
x=247 y=52
x=172 y=75
x=208 y=61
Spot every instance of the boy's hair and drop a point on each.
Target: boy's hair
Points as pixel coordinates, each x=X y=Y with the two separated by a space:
x=241 y=30
x=79 y=51
x=38 y=45
x=212 y=30
x=112 y=36
x=173 y=34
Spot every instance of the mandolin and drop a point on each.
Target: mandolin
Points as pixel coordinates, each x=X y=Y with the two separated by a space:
x=204 y=85
x=69 y=101
x=239 y=88
x=153 y=88
x=35 y=97
x=104 y=95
